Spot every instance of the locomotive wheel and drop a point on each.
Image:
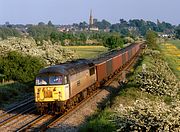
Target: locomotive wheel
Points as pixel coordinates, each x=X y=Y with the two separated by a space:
x=84 y=94
x=69 y=104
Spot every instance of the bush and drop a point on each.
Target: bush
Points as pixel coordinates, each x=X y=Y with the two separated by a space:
x=113 y=42
x=20 y=68
x=151 y=38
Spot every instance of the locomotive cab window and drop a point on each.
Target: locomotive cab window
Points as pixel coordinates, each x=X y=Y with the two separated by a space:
x=92 y=71
x=42 y=80
x=55 y=80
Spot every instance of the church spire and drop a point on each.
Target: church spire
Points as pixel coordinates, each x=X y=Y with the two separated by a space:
x=91 y=19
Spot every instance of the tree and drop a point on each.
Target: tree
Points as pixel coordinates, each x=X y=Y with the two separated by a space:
x=7 y=32
x=19 y=67
x=103 y=24
x=41 y=23
x=83 y=37
x=177 y=31
x=114 y=41
x=83 y=25
x=50 y=24
x=151 y=38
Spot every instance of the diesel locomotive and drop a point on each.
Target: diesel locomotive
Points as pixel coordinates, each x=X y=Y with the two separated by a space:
x=60 y=87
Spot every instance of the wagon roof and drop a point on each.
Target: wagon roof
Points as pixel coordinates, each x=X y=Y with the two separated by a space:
x=68 y=68
x=111 y=54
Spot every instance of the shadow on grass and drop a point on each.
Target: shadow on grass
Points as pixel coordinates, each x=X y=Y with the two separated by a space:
x=12 y=92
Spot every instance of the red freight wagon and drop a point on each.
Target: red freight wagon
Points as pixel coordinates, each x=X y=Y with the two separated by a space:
x=126 y=53
x=133 y=51
x=137 y=47
x=109 y=67
x=117 y=62
x=129 y=54
x=101 y=71
x=123 y=58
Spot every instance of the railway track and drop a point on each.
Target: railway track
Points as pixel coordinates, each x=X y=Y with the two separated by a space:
x=33 y=125
x=9 y=119
x=15 y=112
x=17 y=106
x=16 y=109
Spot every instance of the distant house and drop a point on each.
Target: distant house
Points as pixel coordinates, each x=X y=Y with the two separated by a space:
x=163 y=35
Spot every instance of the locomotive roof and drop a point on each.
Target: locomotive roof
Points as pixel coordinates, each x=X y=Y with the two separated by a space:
x=67 y=68
x=109 y=55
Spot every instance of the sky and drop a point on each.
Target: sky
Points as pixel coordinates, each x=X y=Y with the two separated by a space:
x=75 y=11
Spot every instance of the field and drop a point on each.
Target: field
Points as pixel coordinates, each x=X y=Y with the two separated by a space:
x=175 y=42
x=87 y=51
x=171 y=52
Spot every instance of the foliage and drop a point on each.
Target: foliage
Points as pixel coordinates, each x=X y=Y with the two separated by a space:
x=113 y=42
x=136 y=27
x=7 y=32
x=99 y=123
x=41 y=32
x=19 y=68
x=178 y=32
x=46 y=32
x=50 y=24
x=151 y=38
x=104 y=24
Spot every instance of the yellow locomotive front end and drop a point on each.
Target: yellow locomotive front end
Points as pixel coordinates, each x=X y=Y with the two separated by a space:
x=51 y=91
x=60 y=87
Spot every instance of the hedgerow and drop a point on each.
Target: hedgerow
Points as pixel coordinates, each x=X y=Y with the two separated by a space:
x=18 y=67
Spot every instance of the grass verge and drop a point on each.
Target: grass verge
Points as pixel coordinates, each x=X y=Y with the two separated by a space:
x=13 y=92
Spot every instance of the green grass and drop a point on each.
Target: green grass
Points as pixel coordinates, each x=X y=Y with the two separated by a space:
x=87 y=51
x=13 y=92
x=172 y=60
x=100 y=122
x=176 y=43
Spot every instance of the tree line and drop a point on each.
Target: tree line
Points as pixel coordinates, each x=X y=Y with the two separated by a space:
x=6 y=32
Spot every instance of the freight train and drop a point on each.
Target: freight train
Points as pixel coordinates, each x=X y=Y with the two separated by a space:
x=60 y=87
